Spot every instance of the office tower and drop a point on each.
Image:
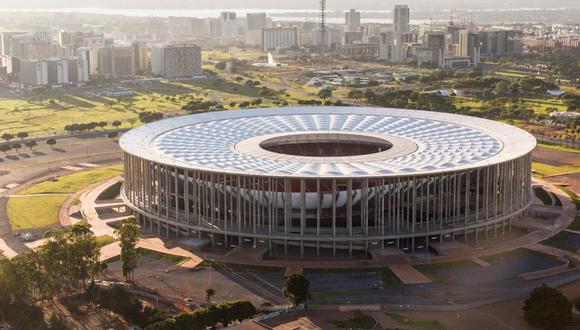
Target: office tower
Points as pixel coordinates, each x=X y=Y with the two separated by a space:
x=33 y=72
x=400 y=28
x=57 y=71
x=229 y=24
x=469 y=46
x=78 y=70
x=498 y=42
x=279 y=38
x=401 y=19
x=114 y=62
x=176 y=61
x=352 y=21
x=141 y=54
x=8 y=41
x=255 y=22
x=433 y=50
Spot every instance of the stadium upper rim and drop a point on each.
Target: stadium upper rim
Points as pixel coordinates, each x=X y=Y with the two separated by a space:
x=423 y=142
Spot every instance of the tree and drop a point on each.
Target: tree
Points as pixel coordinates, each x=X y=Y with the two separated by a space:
x=51 y=142
x=5 y=148
x=16 y=146
x=502 y=87
x=7 y=137
x=547 y=308
x=132 y=121
x=102 y=124
x=325 y=93
x=208 y=294
x=116 y=124
x=129 y=233
x=296 y=289
x=31 y=144
x=112 y=135
x=22 y=135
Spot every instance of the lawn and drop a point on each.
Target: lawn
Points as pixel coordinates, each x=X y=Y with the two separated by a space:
x=34 y=212
x=240 y=268
x=72 y=183
x=543 y=195
x=358 y=321
x=105 y=240
x=168 y=258
x=40 y=209
x=432 y=270
x=543 y=170
x=111 y=192
x=559 y=148
x=565 y=241
x=407 y=322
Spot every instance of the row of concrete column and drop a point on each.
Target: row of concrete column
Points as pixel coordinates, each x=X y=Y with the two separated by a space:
x=329 y=211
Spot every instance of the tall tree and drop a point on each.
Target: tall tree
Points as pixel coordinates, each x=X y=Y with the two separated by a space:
x=548 y=308
x=129 y=234
x=208 y=294
x=297 y=289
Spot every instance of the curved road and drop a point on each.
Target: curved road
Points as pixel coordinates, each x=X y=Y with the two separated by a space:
x=29 y=166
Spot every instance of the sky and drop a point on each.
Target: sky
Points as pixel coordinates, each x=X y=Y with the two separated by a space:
x=286 y=4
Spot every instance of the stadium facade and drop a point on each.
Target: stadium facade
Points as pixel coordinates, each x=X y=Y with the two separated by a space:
x=328 y=180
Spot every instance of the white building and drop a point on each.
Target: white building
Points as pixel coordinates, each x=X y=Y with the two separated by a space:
x=279 y=38
x=229 y=24
x=176 y=61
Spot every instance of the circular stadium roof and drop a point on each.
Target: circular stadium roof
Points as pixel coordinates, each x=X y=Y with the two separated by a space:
x=419 y=142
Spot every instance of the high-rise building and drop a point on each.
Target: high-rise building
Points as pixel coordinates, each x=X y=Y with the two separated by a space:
x=54 y=71
x=34 y=72
x=400 y=28
x=57 y=71
x=115 y=61
x=469 y=46
x=401 y=19
x=352 y=21
x=500 y=41
x=279 y=38
x=255 y=22
x=433 y=50
x=176 y=61
x=141 y=54
x=78 y=70
x=229 y=24
x=8 y=41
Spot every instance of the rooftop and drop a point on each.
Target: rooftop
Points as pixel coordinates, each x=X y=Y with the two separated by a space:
x=327 y=142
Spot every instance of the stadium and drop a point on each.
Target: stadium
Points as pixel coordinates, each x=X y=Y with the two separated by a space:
x=327 y=181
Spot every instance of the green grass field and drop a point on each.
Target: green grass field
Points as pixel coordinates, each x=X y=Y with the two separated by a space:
x=34 y=212
x=168 y=258
x=544 y=170
x=105 y=240
x=40 y=209
x=417 y=324
x=74 y=182
x=431 y=270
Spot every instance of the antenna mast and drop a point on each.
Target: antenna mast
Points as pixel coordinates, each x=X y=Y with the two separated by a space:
x=322 y=27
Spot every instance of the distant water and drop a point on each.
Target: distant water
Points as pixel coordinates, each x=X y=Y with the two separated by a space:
x=372 y=16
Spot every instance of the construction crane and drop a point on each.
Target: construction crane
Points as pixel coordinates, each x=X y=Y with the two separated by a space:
x=322 y=27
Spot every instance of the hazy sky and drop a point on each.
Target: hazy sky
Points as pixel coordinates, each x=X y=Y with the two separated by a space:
x=286 y=4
